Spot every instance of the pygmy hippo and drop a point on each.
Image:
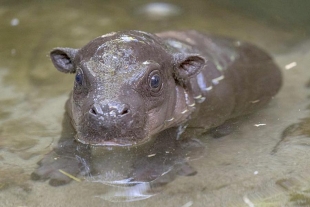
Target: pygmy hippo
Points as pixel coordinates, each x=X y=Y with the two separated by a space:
x=132 y=85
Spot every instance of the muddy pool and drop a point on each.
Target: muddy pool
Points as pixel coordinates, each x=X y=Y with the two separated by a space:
x=266 y=162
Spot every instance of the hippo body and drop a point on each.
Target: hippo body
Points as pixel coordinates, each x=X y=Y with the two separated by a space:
x=130 y=86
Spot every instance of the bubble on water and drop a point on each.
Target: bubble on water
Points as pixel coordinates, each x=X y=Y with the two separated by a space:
x=159 y=10
x=13 y=52
x=15 y=22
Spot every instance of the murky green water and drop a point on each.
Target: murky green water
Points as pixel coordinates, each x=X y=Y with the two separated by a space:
x=264 y=163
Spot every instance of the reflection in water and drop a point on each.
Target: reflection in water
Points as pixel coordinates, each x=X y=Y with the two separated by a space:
x=150 y=167
x=132 y=173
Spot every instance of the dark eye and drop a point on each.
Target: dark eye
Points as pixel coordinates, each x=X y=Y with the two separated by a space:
x=155 y=81
x=79 y=78
x=79 y=85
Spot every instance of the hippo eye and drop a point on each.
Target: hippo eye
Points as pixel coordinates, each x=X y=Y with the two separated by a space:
x=79 y=85
x=155 y=81
x=79 y=78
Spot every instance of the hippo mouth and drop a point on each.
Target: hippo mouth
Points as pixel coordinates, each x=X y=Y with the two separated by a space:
x=115 y=141
x=113 y=136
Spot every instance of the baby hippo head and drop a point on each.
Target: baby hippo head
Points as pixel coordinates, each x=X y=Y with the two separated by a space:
x=125 y=86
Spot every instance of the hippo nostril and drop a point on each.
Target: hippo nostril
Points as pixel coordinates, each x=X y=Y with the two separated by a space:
x=96 y=110
x=109 y=110
x=125 y=111
x=93 y=111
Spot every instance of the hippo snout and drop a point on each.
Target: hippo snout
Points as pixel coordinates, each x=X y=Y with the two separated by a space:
x=111 y=122
x=110 y=109
x=105 y=116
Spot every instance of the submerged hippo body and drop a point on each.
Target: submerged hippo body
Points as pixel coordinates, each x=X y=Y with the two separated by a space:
x=132 y=85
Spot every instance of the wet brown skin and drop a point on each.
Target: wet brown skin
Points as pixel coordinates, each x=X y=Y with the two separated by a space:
x=131 y=85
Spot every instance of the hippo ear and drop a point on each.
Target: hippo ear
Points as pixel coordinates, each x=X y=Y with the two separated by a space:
x=187 y=65
x=62 y=59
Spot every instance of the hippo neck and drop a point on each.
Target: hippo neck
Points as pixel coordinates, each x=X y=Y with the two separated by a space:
x=208 y=85
x=184 y=106
x=185 y=101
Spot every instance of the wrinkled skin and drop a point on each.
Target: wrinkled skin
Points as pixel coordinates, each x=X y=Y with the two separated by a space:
x=131 y=85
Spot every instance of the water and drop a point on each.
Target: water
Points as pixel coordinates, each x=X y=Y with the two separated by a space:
x=264 y=163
